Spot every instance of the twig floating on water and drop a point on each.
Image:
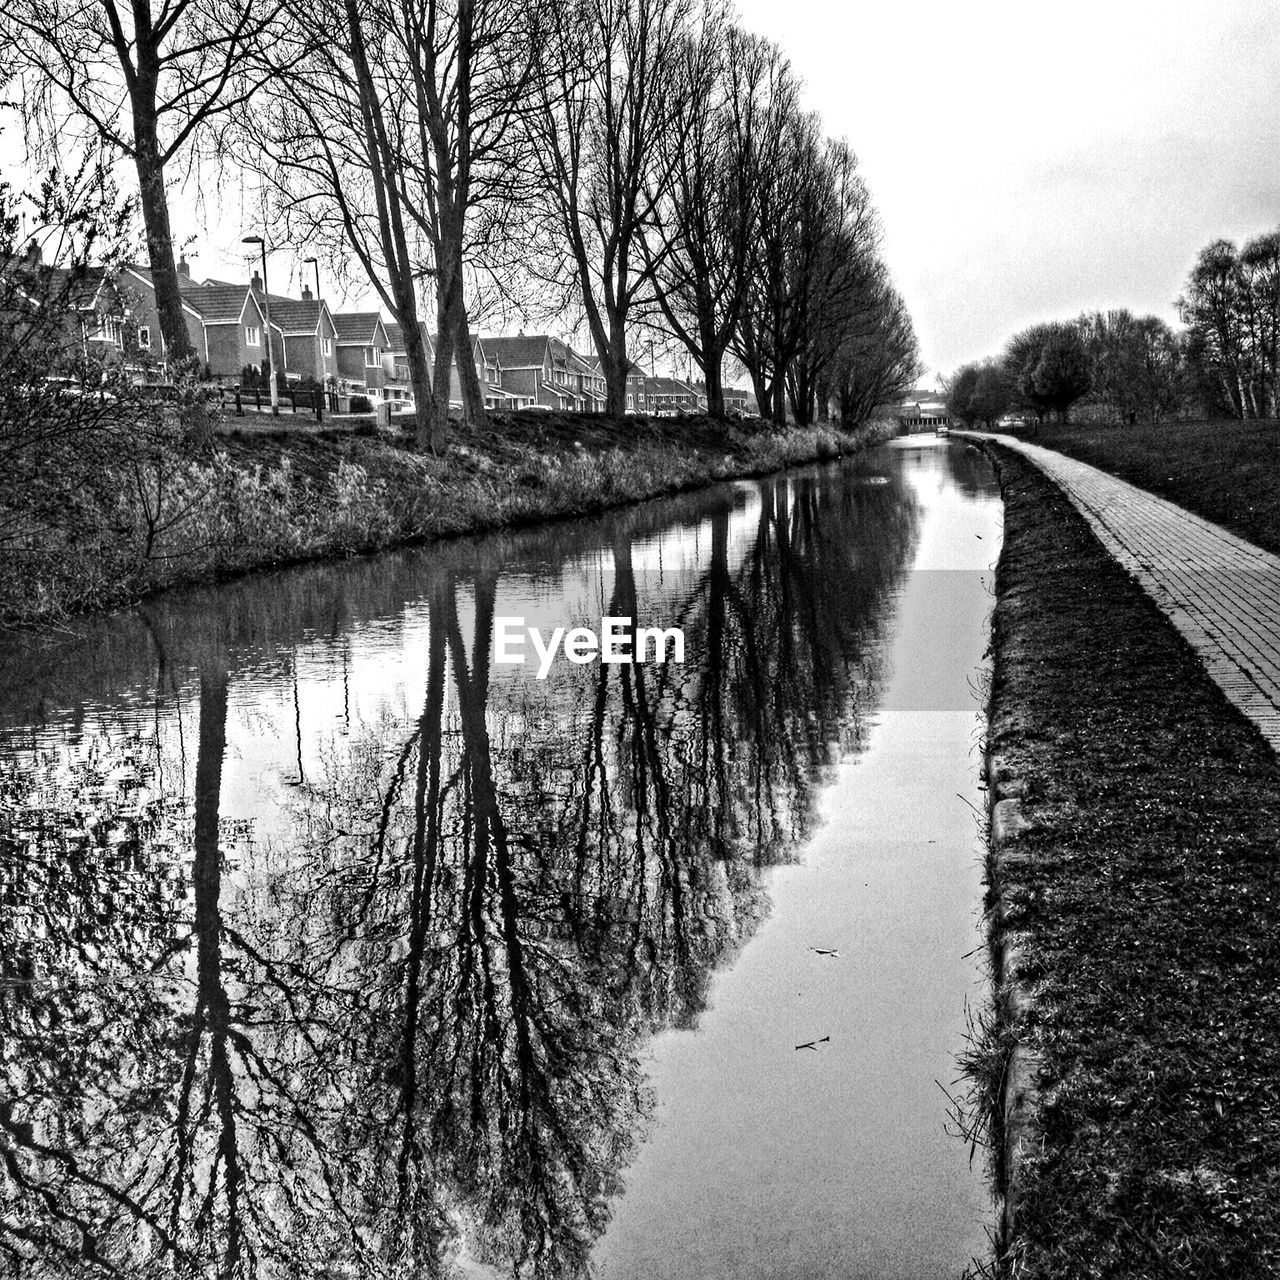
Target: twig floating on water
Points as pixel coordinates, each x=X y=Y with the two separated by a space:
x=813 y=1044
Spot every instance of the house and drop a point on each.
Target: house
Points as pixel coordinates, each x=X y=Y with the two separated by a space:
x=739 y=403
x=98 y=319
x=488 y=367
x=497 y=395
x=305 y=330
x=226 y=323
x=635 y=401
x=395 y=362
x=924 y=411
x=362 y=341
x=541 y=370
x=670 y=395
x=586 y=380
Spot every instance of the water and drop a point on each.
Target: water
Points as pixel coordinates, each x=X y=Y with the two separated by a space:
x=332 y=948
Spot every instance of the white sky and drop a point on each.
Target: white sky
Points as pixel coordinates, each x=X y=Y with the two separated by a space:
x=1034 y=160
x=1029 y=161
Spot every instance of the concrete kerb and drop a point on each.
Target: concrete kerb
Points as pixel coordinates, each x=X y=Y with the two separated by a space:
x=1007 y=819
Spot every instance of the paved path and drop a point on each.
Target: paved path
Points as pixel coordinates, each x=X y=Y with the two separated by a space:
x=1221 y=592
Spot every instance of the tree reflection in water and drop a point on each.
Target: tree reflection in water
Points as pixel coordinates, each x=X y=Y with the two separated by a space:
x=412 y=1022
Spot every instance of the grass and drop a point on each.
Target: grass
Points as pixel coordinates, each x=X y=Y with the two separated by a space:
x=1225 y=471
x=1145 y=894
x=288 y=492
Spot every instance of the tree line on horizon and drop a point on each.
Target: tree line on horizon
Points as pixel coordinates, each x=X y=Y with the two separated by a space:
x=629 y=165
x=1120 y=367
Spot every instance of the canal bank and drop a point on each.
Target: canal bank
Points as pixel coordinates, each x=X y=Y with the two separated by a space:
x=1126 y=1076
x=266 y=498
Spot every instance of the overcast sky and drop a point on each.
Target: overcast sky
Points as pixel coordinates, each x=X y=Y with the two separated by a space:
x=1029 y=161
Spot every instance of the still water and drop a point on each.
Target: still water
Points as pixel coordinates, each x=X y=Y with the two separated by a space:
x=332 y=949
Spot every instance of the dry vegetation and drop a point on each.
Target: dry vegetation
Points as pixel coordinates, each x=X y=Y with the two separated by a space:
x=267 y=497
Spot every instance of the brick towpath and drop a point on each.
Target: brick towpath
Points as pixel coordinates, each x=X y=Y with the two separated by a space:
x=1221 y=592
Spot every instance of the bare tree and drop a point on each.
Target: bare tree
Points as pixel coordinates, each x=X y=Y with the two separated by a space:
x=1260 y=268
x=699 y=244
x=144 y=81
x=764 y=340
x=397 y=142
x=615 y=86
x=836 y=276
x=878 y=360
x=1211 y=308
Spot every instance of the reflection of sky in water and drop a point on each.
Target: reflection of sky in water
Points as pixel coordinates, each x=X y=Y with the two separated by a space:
x=303 y=705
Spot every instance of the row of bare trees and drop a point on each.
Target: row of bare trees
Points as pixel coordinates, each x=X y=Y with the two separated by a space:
x=629 y=163
x=1226 y=361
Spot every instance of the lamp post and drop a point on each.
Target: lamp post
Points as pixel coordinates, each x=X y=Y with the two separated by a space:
x=315 y=262
x=266 y=306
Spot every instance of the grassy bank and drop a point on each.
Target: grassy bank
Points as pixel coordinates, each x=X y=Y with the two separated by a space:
x=267 y=497
x=1225 y=471
x=1141 y=902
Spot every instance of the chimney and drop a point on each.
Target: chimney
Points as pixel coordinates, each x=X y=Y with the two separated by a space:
x=256 y=283
x=306 y=293
x=32 y=258
x=184 y=267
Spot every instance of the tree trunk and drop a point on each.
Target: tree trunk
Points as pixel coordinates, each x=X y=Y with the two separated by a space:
x=614 y=366
x=761 y=389
x=473 y=410
x=713 y=373
x=439 y=430
x=155 y=216
x=180 y=356
x=420 y=381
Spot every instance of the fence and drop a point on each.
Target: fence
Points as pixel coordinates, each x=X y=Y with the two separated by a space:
x=310 y=399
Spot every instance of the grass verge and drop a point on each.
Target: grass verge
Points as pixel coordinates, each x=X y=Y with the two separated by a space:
x=1224 y=471
x=266 y=498
x=1140 y=901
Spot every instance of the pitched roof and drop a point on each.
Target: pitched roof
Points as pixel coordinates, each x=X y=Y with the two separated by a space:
x=295 y=315
x=520 y=352
x=668 y=387
x=217 y=303
x=396 y=342
x=80 y=284
x=357 y=326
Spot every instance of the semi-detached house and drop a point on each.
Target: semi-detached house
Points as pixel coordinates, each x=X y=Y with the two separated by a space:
x=489 y=370
x=542 y=370
x=309 y=336
x=362 y=340
x=226 y=322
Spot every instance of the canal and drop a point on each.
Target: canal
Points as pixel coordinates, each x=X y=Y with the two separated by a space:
x=332 y=947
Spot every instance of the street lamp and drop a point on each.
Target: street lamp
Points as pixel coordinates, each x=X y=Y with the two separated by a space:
x=315 y=262
x=266 y=304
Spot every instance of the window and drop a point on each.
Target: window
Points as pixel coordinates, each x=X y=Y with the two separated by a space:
x=326 y=346
x=372 y=357
x=144 y=337
x=252 y=336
